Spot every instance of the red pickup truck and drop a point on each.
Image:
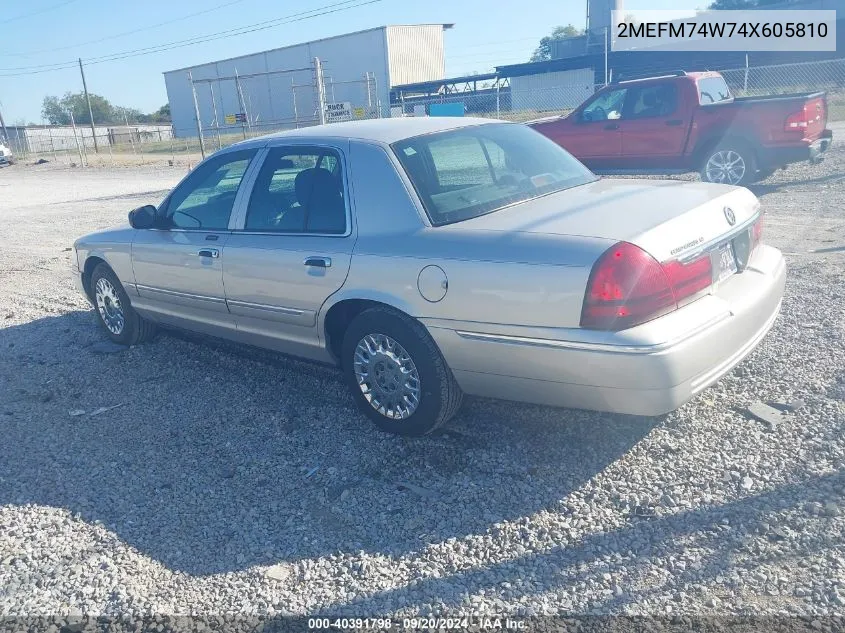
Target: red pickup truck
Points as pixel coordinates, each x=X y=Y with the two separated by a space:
x=691 y=122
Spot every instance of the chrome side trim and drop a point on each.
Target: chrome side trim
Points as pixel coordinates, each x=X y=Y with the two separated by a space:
x=261 y=306
x=590 y=347
x=184 y=295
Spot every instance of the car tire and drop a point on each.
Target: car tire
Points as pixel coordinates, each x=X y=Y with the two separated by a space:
x=731 y=163
x=115 y=313
x=396 y=373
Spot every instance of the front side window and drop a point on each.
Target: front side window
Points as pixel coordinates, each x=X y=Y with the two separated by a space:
x=607 y=106
x=298 y=190
x=205 y=200
x=468 y=172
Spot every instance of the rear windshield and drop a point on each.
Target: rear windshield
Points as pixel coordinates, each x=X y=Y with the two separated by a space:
x=471 y=171
x=713 y=90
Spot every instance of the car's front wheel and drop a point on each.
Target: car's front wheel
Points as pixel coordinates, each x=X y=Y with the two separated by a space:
x=114 y=311
x=396 y=374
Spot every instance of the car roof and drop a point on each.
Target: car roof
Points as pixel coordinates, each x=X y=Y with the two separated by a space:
x=382 y=130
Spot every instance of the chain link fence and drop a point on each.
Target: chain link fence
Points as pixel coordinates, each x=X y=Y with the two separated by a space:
x=112 y=145
x=526 y=100
x=309 y=102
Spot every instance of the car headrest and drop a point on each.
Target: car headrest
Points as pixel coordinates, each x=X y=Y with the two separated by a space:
x=315 y=182
x=649 y=99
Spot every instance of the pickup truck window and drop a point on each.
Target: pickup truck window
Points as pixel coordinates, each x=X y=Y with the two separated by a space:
x=713 y=90
x=606 y=106
x=652 y=101
x=471 y=171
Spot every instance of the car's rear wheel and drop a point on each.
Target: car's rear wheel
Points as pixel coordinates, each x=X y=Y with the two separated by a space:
x=114 y=311
x=396 y=374
x=729 y=164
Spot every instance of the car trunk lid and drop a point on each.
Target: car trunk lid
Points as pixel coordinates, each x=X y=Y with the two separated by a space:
x=667 y=218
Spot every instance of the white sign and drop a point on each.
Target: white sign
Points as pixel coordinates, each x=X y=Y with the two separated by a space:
x=338 y=112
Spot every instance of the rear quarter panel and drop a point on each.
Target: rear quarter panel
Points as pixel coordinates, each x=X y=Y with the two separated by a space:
x=492 y=276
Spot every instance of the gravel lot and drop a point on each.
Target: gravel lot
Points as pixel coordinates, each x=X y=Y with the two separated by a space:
x=229 y=480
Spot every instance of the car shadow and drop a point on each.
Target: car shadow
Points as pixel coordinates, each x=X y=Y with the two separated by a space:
x=211 y=457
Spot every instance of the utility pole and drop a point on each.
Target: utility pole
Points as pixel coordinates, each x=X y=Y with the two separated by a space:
x=90 y=111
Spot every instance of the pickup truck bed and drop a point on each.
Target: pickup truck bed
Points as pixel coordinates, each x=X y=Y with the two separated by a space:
x=691 y=122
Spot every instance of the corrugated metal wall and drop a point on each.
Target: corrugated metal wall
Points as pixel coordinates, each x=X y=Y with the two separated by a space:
x=415 y=53
x=552 y=91
x=269 y=99
x=410 y=53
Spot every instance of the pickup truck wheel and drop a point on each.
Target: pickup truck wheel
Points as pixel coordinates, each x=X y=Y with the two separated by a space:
x=396 y=374
x=114 y=311
x=729 y=164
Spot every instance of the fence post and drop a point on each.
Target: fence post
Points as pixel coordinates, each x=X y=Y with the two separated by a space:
x=745 y=81
x=244 y=122
x=498 y=115
x=197 y=113
x=131 y=140
x=214 y=109
x=78 y=149
x=321 y=90
x=52 y=146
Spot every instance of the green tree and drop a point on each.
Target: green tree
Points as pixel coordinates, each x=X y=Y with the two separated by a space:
x=53 y=110
x=57 y=111
x=544 y=51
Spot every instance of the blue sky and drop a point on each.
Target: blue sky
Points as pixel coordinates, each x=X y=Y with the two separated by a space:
x=39 y=33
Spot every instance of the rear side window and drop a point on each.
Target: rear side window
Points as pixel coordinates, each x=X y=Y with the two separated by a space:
x=298 y=190
x=713 y=90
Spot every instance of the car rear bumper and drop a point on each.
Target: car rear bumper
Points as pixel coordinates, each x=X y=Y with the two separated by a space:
x=813 y=152
x=687 y=351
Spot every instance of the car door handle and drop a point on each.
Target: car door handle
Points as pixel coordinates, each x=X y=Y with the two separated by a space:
x=209 y=252
x=318 y=262
x=611 y=126
x=675 y=122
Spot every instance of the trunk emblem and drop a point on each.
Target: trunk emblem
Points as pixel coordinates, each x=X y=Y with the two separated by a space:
x=730 y=216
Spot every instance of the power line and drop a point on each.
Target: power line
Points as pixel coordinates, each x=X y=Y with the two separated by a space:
x=250 y=28
x=124 y=33
x=38 y=12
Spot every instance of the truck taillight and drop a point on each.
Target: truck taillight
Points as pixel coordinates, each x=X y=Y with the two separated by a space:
x=627 y=286
x=798 y=121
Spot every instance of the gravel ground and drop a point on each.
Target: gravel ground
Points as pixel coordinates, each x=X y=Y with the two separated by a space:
x=228 y=480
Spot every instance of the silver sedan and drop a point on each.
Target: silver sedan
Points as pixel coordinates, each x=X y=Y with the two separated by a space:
x=433 y=257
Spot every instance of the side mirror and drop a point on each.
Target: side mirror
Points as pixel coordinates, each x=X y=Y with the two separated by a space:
x=143 y=217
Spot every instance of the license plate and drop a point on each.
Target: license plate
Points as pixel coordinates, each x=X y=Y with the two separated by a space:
x=727 y=262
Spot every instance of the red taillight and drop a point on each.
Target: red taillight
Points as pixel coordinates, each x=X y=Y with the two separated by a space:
x=628 y=286
x=756 y=232
x=797 y=122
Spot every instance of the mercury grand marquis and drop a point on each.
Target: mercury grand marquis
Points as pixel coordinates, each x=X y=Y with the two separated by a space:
x=435 y=257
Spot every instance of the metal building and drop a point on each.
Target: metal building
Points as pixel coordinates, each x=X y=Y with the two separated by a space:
x=346 y=76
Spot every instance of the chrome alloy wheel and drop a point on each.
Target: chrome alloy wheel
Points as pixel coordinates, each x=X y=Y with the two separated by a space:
x=109 y=307
x=725 y=166
x=387 y=376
